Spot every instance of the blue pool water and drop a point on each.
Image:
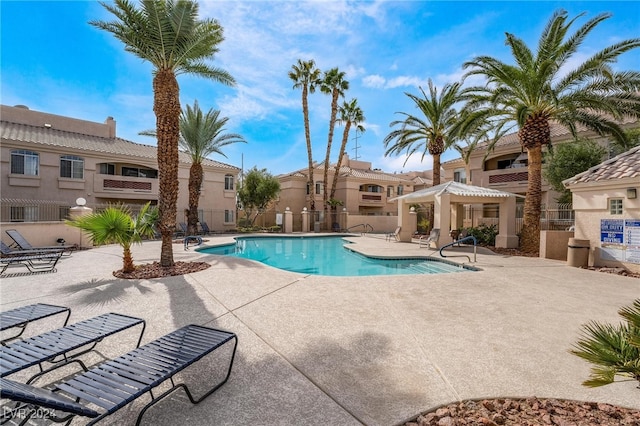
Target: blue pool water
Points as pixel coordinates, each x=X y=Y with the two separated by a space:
x=325 y=256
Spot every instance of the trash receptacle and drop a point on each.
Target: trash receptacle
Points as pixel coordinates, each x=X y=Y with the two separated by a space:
x=578 y=253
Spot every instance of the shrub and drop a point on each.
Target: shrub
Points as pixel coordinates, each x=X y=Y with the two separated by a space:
x=614 y=350
x=485 y=235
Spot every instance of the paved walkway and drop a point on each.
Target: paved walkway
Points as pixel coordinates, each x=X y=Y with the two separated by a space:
x=318 y=350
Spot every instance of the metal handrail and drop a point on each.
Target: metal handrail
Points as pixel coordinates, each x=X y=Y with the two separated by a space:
x=365 y=225
x=470 y=237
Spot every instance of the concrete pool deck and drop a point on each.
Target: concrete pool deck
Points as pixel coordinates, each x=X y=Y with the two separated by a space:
x=319 y=350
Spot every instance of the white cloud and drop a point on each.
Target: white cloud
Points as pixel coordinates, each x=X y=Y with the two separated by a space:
x=413 y=163
x=374 y=81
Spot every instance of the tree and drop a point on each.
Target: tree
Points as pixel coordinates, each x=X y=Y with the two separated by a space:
x=540 y=88
x=567 y=160
x=259 y=189
x=435 y=133
x=334 y=84
x=350 y=115
x=169 y=35
x=200 y=136
x=306 y=76
x=633 y=139
x=116 y=225
x=614 y=350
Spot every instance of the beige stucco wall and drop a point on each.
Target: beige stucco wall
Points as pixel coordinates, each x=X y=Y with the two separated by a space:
x=591 y=206
x=554 y=244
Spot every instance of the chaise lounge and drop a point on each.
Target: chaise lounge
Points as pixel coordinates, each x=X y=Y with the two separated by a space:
x=37 y=262
x=24 y=315
x=23 y=244
x=111 y=385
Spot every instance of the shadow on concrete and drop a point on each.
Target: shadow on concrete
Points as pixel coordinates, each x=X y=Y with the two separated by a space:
x=99 y=292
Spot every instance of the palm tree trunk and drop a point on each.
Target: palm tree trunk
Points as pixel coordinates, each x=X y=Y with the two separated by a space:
x=307 y=135
x=332 y=125
x=436 y=169
x=195 y=182
x=343 y=146
x=127 y=259
x=166 y=105
x=530 y=236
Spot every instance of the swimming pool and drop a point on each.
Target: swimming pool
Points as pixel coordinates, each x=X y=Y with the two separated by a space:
x=326 y=256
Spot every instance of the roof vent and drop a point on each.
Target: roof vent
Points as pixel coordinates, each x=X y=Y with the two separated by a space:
x=21 y=106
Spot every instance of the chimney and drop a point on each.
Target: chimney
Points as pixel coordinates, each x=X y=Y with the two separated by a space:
x=111 y=124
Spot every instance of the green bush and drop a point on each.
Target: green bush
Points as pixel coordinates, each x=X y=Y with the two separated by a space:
x=485 y=235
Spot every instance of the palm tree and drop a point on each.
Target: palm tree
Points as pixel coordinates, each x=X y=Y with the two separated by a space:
x=614 y=350
x=306 y=76
x=435 y=133
x=169 y=35
x=116 y=225
x=200 y=136
x=350 y=115
x=540 y=88
x=334 y=84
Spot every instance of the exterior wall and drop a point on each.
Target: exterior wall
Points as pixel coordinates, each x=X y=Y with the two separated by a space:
x=46 y=233
x=554 y=244
x=99 y=188
x=380 y=224
x=591 y=206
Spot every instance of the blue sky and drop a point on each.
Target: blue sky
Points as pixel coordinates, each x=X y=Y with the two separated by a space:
x=52 y=60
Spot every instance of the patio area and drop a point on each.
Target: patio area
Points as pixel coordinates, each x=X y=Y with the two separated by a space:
x=319 y=350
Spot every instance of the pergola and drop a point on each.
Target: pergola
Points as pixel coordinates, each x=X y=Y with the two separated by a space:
x=448 y=199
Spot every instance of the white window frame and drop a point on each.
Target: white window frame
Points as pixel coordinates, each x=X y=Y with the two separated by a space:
x=616 y=206
x=228 y=216
x=76 y=166
x=228 y=182
x=29 y=161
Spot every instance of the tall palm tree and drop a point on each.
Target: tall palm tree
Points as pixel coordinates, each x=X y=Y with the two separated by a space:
x=306 y=76
x=334 y=84
x=116 y=225
x=434 y=133
x=350 y=115
x=169 y=35
x=200 y=136
x=540 y=88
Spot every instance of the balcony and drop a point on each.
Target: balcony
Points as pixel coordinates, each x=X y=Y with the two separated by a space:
x=505 y=177
x=371 y=198
x=124 y=186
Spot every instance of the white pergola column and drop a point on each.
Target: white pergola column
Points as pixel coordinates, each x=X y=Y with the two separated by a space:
x=507 y=237
x=442 y=218
x=407 y=221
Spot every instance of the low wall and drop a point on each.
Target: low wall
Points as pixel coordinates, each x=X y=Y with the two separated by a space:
x=380 y=224
x=553 y=244
x=46 y=233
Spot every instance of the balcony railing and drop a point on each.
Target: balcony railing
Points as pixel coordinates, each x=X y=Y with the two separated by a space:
x=371 y=198
x=123 y=184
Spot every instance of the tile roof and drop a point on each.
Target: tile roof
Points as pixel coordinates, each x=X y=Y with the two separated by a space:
x=623 y=166
x=346 y=171
x=115 y=146
x=455 y=188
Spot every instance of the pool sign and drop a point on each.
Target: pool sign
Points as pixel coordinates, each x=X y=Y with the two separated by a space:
x=620 y=239
x=612 y=231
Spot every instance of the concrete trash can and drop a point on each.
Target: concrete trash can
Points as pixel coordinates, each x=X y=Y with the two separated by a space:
x=578 y=253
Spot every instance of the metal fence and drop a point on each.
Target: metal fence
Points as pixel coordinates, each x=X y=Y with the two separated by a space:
x=558 y=217
x=15 y=210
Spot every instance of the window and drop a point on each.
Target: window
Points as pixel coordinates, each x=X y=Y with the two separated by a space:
x=228 y=216
x=136 y=172
x=319 y=187
x=71 y=167
x=615 y=206
x=389 y=191
x=24 y=214
x=400 y=190
x=308 y=192
x=25 y=162
x=228 y=182
x=107 y=169
x=460 y=175
x=371 y=188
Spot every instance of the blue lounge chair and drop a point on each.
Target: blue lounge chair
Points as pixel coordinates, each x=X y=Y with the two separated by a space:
x=22 y=243
x=22 y=316
x=114 y=384
x=61 y=346
x=36 y=262
x=205 y=228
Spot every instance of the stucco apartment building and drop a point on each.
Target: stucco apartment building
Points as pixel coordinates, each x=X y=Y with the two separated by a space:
x=505 y=167
x=49 y=161
x=362 y=190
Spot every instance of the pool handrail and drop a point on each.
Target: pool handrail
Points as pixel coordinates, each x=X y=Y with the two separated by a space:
x=366 y=226
x=475 y=246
